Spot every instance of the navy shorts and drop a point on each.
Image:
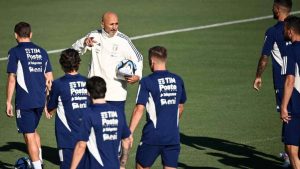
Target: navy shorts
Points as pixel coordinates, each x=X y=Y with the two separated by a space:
x=147 y=154
x=28 y=119
x=292 y=132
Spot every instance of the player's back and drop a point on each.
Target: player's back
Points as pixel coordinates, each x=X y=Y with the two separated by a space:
x=107 y=127
x=166 y=93
x=69 y=96
x=30 y=63
x=276 y=46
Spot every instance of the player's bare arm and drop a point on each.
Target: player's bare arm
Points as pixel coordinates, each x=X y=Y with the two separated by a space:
x=11 y=83
x=49 y=79
x=181 y=108
x=136 y=117
x=125 y=152
x=49 y=113
x=262 y=64
x=78 y=153
x=288 y=89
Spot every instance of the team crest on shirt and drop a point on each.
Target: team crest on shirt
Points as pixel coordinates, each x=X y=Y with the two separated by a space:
x=114 y=50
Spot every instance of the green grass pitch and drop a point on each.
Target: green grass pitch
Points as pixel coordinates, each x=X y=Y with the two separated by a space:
x=226 y=124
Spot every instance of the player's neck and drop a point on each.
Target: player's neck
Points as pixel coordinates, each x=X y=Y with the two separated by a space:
x=159 y=67
x=296 y=38
x=282 y=17
x=99 y=101
x=73 y=72
x=20 y=40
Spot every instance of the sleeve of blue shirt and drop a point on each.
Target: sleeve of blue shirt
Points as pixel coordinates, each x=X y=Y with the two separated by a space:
x=291 y=63
x=85 y=127
x=143 y=93
x=12 y=64
x=269 y=42
x=183 y=94
x=48 y=66
x=53 y=96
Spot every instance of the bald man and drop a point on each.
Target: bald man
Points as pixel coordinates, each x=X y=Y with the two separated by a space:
x=109 y=47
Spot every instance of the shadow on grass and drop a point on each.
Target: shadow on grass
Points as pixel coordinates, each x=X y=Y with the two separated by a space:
x=4 y=165
x=49 y=153
x=232 y=154
x=182 y=165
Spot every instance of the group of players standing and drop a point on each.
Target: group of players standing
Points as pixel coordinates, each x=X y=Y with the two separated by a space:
x=90 y=125
x=282 y=41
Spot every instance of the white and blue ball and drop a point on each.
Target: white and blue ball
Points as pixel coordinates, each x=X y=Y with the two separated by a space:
x=125 y=68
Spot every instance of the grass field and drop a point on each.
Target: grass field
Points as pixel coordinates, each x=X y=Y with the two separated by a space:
x=226 y=124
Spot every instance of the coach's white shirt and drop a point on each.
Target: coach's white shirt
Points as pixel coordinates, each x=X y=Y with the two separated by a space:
x=107 y=52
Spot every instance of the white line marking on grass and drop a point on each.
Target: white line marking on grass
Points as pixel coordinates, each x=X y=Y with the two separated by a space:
x=261 y=140
x=186 y=29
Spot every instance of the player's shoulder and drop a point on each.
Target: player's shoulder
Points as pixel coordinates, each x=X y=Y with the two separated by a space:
x=278 y=27
x=271 y=30
x=58 y=82
x=39 y=47
x=12 y=50
x=122 y=36
x=176 y=76
x=147 y=78
x=96 y=32
x=81 y=77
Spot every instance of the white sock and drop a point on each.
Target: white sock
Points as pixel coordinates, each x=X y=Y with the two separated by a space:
x=37 y=164
x=40 y=155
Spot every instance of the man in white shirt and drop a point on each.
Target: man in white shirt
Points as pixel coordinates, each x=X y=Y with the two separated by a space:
x=109 y=47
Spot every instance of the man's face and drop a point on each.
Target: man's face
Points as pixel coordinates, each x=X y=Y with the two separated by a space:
x=110 y=24
x=275 y=11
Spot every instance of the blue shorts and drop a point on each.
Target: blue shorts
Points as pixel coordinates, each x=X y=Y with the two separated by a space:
x=278 y=96
x=147 y=154
x=292 y=132
x=28 y=119
x=65 y=158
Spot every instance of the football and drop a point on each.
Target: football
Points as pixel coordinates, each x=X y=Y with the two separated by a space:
x=23 y=163
x=125 y=68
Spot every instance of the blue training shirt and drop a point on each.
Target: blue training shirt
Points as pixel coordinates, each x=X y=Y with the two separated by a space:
x=161 y=92
x=69 y=96
x=275 y=45
x=102 y=128
x=293 y=69
x=30 y=63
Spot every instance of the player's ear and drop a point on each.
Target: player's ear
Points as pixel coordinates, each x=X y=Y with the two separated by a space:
x=16 y=35
x=30 y=36
x=102 y=24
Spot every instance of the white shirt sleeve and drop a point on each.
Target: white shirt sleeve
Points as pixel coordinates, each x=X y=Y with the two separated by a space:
x=79 y=45
x=134 y=55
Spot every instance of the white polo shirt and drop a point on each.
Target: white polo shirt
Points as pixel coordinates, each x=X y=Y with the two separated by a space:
x=107 y=52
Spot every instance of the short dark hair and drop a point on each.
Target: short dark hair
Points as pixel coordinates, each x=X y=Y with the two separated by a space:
x=159 y=52
x=285 y=3
x=293 y=22
x=69 y=60
x=96 y=86
x=23 y=29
